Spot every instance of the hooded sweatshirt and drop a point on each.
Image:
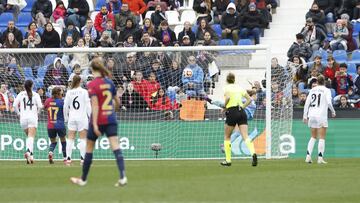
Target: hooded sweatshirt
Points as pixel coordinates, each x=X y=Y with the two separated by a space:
x=230 y=21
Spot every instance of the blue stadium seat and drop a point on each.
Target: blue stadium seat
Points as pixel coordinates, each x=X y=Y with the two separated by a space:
x=194 y=28
x=29 y=4
x=38 y=83
x=322 y=53
x=28 y=73
x=245 y=42
x=217 y=29
x=99 y=3
x=226 y=42
x=355 y=56
x=340 y=56
x=41 y=72
x=23 y=30
x=69 y=70
x=356 y=29
x=24 y=19
x=351 y=68
x=5 y=18
x=49 y=59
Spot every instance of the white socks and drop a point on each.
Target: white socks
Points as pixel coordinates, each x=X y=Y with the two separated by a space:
x=321 y=147
x=310 y=146
x=82 y=147
x=69 y=147
x=30 y=144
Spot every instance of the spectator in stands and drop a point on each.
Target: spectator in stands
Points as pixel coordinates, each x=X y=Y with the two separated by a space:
x=59 y=14
x=301 y=70
x=174 y=75
x=220 y=7
x=331 y=68
x=128 y=68
x=12 y=29
x=161 y=101
x=295 y=96
x=353 y=98
x=141 y=86
x=205 y=27
x=314 y=73
x=89 y=28
x=340 y=33
x=351 y=42
x=342 y=81
x=129 y=41
x=356 y=12
x=158 y=70
x=106 y=40
x=357 y=82
x=41 y=12
x=88 y=41
x=9 y=7
x=148 y=27
x=132 y=100
x=123 y=16
x=313 y=35
x=192 y=78
x=78 y=11
x=11 y=42
x=187 y=31
x=50 y=37
x=109 y=28
x=69 y=42
x=165 y=35
x=4 y=98
x=137 y=7
x=102 y=18
x=148 y=41
x=300 y=48
x=207 y=40
x=130 y=29
x=344 y=104
x=152 y=5
x=69 y=30
x=230 y=23
x=344 y=6
x=318 y=65
x=152 y=87
x=263 y=7
x=56 y=74
x=32 y=37
x=76 y=70
x=157 y=17
x=327 y=7
x=81 y=58
x=185 y=41
x=203 y=9
x=317 y=16
x=113 y=6
x=251 y=24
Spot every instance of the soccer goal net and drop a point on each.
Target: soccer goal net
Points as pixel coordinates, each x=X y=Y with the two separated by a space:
x=171 y=99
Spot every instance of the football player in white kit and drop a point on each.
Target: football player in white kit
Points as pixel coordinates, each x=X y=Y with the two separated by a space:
x=77 y=110
x=316 y=116
x=27 y=105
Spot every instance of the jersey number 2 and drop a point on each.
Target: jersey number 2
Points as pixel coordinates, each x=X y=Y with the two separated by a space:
x=106 y=105
x=315 y=99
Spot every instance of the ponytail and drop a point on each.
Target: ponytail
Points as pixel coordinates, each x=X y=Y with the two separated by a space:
x=98 y=66
x=28 y=88
x=75 y=81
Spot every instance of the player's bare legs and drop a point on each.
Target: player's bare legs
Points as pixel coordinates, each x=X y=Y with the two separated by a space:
x=31 y=132
x=69 y=146
x=244 y=133
x=87 y=163
x=114 y=144
x=321 y=145
x=82 y=145
x=227 y=145
x=311 y=143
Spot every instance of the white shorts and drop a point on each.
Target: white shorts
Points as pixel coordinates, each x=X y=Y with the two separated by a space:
x=28 y=123
x=78 y=125
x=317 y=122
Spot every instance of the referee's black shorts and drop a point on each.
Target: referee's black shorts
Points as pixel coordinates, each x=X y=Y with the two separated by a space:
x=235 y=116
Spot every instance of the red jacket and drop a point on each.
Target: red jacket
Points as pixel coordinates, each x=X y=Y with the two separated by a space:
x=330 y=73
x=141 y=88
x=99 y=21
x=159 y=105
x=59 y=13
x=260 y=4
x=152 y=87
x=136 y=6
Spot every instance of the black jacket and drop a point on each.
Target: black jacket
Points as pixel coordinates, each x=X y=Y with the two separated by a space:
x=190 y=33
x=159 y=37
x=133 y=101
x=317 y=16
x=43 y=6
x=157 y=18
x=17 y=33
x=75 y=36
x=230 y=21
x=50 y=39
x=82 y=5
x=252 y=20
x=326 y=5
x=302 y=50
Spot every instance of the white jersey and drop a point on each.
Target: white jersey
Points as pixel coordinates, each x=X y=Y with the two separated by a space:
x=317 y=103
x=28 y=108
x=77 y=105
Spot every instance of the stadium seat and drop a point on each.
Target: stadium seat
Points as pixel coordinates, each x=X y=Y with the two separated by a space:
x=99 y=3
x=148 y=14
x=194 y=28
x=172 y=17
x=322 y=53
x=93 y=15
x=217 y=29
x=351 y=68
x=340 y=56
x=356 y=29
x=69 y=70
x=178 y=29
x=355 y=56
x=226 y=42
x=91 y=5
x=5 y=18
x=28 y=73
x=49 y=59
x=245 y=42
x=41 y=72
x=188 y=15
x=38 y=83
x=23 y=30
x=24 y=19
x=28 y=6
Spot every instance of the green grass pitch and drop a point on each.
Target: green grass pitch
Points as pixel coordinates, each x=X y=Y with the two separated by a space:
x=273 y=181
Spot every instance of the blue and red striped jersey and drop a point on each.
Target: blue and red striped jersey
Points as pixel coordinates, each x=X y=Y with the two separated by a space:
x=55 y=113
